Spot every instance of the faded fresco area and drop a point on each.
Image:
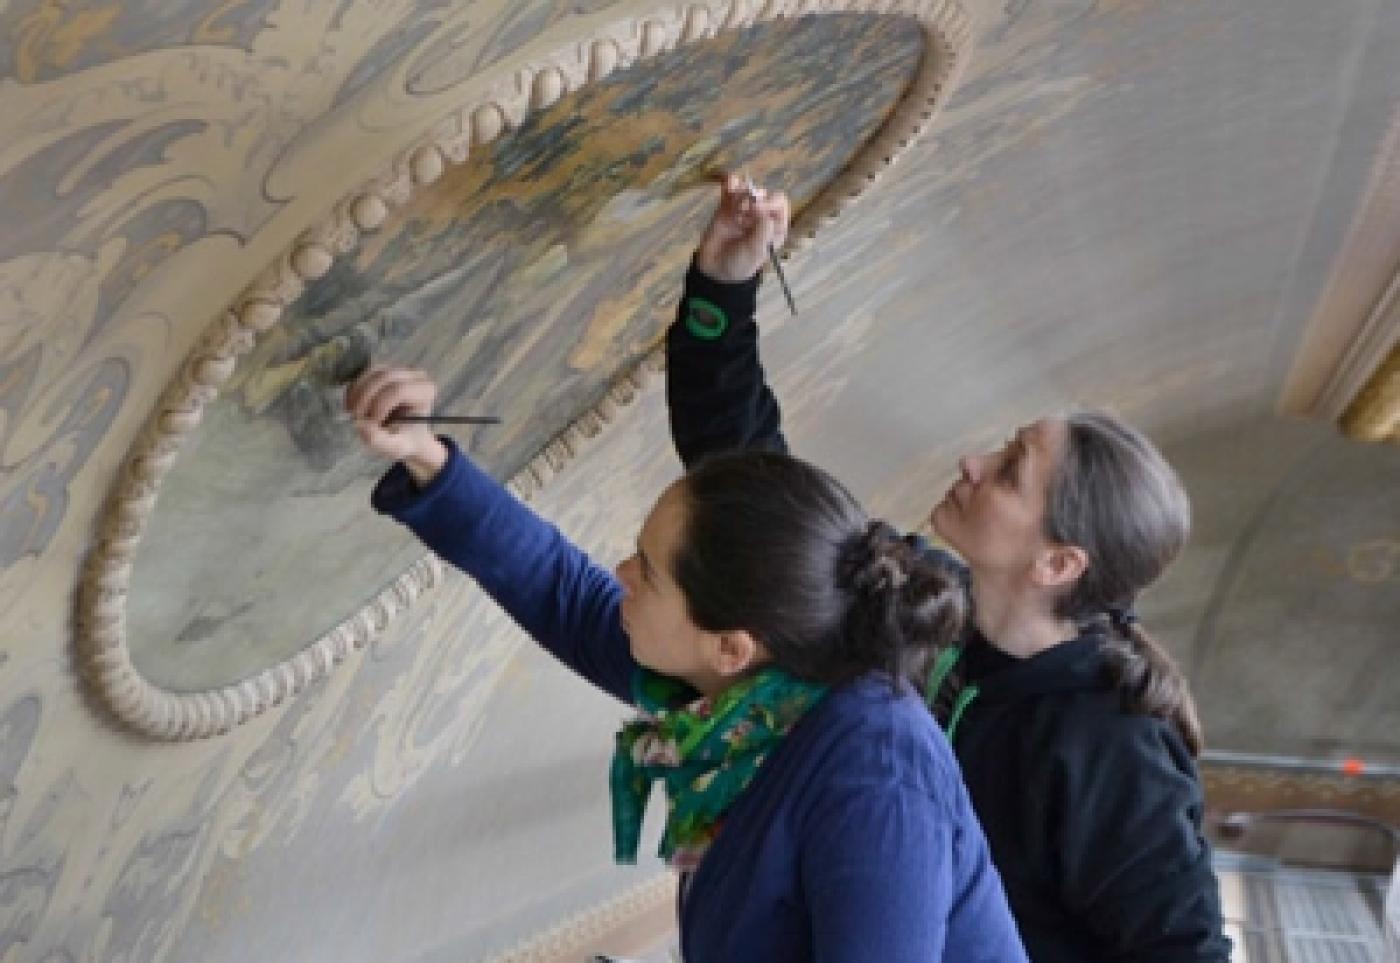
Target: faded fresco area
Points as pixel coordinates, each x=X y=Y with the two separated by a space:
x=525 y=280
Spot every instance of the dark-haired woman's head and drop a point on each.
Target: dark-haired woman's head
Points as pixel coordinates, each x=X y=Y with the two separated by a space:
x=757 y=557
x=1079 y=515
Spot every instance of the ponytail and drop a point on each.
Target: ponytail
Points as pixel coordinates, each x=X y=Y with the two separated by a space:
x=1150 y=682
x=1115 y=496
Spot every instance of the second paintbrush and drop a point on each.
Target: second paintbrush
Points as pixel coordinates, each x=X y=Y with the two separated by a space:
x=773 y=253
x=445 y=419
x=782 y=281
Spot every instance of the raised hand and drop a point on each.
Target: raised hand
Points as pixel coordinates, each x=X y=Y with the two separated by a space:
x=380 y=394
x=747 y=221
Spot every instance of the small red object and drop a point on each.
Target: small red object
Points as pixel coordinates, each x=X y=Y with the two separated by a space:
x=1353 y=766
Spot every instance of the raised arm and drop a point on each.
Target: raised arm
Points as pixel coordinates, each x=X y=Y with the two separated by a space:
x=715 y=387
x=545 y=583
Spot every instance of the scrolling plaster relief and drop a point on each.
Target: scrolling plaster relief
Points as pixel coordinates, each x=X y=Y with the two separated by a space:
x=365 y=224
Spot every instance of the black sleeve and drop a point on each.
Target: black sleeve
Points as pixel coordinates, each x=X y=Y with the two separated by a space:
x=1137 y=868
x=715 y=388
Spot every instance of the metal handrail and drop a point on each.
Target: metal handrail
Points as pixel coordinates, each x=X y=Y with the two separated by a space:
x=1352 y=768
x=1233 y=824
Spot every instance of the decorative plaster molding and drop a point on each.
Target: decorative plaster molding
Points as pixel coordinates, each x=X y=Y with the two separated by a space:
x=106 y=658
x=1262 y=789
x=585 y=933
x=1357 y=321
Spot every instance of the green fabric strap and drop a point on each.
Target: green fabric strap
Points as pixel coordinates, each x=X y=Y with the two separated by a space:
x=965 y=698
x=703 y=751
x=937 y=676
x=939 y=673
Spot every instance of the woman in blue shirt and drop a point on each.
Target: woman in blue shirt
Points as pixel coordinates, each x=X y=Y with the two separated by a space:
x=763 y=626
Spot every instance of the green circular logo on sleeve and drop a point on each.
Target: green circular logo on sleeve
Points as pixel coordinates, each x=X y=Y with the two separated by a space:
x=704 y=319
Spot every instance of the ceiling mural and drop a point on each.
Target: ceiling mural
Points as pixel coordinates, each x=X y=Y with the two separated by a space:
x=529 y=263
x=524 y=280
x=208 y=205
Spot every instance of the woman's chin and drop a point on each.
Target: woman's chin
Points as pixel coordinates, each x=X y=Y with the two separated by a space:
x=943 y=523
x=938 y=518
x=640 y=657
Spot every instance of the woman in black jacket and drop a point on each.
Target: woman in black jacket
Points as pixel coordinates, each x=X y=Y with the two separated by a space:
x=1076 y=732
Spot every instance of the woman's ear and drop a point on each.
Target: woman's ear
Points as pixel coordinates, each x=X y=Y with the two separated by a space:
x=734 y=652
x=1059 y=566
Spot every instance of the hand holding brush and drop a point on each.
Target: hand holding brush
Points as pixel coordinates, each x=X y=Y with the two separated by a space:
x=746 y=231
x=393 y=411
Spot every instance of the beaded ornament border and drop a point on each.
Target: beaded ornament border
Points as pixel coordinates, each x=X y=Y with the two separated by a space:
x=102 y=641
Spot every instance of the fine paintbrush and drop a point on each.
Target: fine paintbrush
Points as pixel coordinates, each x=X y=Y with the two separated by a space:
x=772 y=253
x=359 y=364
x=444 y=419
x=353 y=364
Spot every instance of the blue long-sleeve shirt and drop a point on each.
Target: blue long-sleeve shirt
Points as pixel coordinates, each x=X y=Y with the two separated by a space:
x=854 y=843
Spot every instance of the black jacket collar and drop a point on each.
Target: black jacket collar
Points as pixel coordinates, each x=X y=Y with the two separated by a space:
x=1077 y=664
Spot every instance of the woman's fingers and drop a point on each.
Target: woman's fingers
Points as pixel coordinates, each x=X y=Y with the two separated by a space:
x=382 y=391
x=746 y=223
x=403 y=391
x=736 y=212
x=355 y=393
x=360 y=399
x=766 y=215
x=769 y=223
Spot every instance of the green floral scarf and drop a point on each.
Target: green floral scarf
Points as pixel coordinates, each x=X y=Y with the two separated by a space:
x=705 y=751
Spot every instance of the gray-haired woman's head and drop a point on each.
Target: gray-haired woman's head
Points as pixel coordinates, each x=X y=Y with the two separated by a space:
x=1084 y=512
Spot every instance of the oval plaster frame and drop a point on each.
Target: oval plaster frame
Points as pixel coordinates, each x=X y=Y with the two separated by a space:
x=105 y=658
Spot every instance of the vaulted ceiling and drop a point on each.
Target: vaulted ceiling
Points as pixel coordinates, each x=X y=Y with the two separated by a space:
x=1186 y=212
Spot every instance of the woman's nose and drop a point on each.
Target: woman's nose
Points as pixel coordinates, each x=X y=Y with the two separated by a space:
x=971 y=467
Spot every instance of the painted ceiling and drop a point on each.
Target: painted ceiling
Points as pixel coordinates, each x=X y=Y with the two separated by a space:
x=1123 y=204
